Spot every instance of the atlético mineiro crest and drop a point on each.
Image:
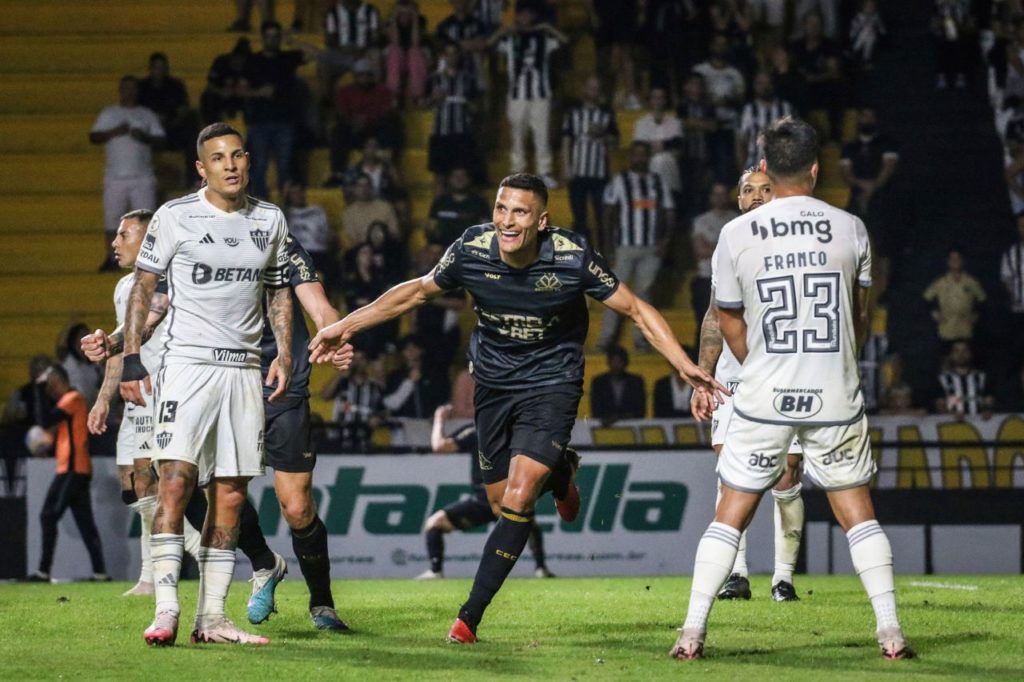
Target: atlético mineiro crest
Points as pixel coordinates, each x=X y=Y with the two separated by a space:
x=163 y=439
x=261 y=238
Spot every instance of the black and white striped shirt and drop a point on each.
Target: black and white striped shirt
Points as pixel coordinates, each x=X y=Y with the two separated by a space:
x=357 y=27
x=758 y=115
x=639 y=197
x=528 y=56
x=356 y=402
x=964 y=392
x=451 y=114
x=588 y=126
x=1011 y=272
x=872 y=357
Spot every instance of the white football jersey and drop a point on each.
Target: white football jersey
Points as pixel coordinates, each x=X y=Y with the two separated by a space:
x=217 y=264
x=150 y=352
x=792 y=265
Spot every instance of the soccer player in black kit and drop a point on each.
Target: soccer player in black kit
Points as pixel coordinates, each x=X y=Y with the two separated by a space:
x=528 y=281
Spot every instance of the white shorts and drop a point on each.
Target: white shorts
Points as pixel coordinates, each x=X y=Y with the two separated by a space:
x=135 y=437
x=211 y=416
x=836 y=457
x=720 y=424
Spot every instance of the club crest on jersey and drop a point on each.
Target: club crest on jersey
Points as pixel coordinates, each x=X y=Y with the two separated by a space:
x=548 y=282
x=231 y=241
x=163 y=439
x=261 y=238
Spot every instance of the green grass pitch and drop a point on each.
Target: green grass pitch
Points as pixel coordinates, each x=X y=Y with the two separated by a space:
x=562 y=629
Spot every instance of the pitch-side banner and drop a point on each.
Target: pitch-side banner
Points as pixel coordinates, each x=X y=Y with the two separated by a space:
x=643 y=513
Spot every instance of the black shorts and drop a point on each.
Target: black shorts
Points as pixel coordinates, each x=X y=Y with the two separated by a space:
x=536 y=422
x=469 y=513
x=286 y=442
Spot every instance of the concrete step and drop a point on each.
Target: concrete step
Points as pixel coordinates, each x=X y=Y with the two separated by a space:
x=58 y=294
x=44 y=253
x=43 y=93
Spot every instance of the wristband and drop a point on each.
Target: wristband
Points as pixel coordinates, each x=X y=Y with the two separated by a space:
x=133 y=369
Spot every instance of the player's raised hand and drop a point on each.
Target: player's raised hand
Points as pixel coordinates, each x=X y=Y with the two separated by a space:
x=342 y=358
x=327 y=341
x=134 y=380
x=701 y=405
x=703 y=382
x=97 y=421
x=280 y=372
x=95 y=346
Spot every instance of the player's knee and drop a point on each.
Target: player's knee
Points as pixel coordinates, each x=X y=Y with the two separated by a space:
x=439 y=521
x=298 y=513
x=519 y=497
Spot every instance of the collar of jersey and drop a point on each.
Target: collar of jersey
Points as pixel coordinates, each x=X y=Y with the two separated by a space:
x=206 y=203
x=546 y=254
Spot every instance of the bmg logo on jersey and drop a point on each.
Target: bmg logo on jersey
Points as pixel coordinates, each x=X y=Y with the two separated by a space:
x=798 y=404
x=781 y=228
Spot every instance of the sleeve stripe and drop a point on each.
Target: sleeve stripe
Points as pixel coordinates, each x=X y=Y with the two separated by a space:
x=729 y=305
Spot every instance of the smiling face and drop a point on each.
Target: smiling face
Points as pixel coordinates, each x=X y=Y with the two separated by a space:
x=755 y=190
x=224 y=164
x=519 y=216
x=128 y=241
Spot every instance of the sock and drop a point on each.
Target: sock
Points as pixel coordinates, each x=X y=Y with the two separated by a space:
x=251 y=540
x=789 y=529
x=503 y=547
x=435 y=549
x=715 y=555
x=537 y=546
x=193 y=540
x=216 y=566
x=310 y=547
x=146 y=509
x=739 y=566
x=166 y=550
x=872 y=559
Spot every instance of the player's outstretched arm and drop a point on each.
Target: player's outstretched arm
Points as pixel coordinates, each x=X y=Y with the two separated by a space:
x=314 y=301
x=279 y=314
x=133 y=374
x=438 y=441
x=657 y=332
x=393 y=303
x=701 y=406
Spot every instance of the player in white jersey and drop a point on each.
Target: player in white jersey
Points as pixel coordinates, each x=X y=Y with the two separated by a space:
x=134 y=438
x=754 y=190
x=792 y=291
x=220 y=250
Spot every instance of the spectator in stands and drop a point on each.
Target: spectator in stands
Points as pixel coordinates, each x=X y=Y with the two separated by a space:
x=417 y=388
x=272 y=111
x=758 y=114
x=698 y=121
x=637 y=211
x=364 y=208
x=617 y=394
x=867 y=164
x=457 y=209
x=167 y=97
x=787 y=81
x=769 y=19
x=734 y=20
x=616 y=31
x=817 y=59
x=363 y=108
x=70 y=487
x=589 y=134
x=672 y=395
x=726 y=88
x=867 y=30
x=953 y=29
x=706 y=229
x=351 y=38
x=1011 y=274
x=389 y=255
x=222 y=98
x=436 y=323
x=358 y=406
x=469 y=33
x=310 y=227
x=898 y=396
x=241 y=23
x=527 y=47
x=663 y=132
x=452 y=92
x=83 y=374
x=363 y=283
x=1014 y=61
x=673 y=33
x=965 y=391
x=128 y=132
x=827 y=12
x=21 y=409
x=406 y=58
x=955 y=297
x=871 y=364
x=378 y=164
x=490 y=12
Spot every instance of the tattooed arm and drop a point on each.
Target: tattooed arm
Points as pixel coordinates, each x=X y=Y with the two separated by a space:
x=97 y=421
x=133 y=372
x=279 y=314
x=701 y=406
x=157 y=312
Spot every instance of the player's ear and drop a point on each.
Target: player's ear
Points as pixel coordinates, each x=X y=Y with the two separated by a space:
x=200 y=169
x=542 y=222
x=814 y=174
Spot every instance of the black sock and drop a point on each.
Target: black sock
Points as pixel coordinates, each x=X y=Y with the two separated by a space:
x=537 y=545
x=503 y=547
x=310 y=545
x=435 y=549
x=251 y=540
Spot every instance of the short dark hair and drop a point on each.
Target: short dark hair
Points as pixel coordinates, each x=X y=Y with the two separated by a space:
x=790 y=147
x=618 y=352
x=158 y=57
x=528 y=182
x=744 y=174
x=143 y=215
x=214 y=130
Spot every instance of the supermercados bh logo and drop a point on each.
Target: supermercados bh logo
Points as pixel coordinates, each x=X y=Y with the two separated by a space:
x=798 y=403
x=261 y=238
x=612 y=500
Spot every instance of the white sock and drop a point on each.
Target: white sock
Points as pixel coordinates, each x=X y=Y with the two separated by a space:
x=216 y=566
x=872 y=559
x=193 y=540
x=166 y=549
x=715 y=555
x=146 y=509
x=740 y=565
x=789 y=529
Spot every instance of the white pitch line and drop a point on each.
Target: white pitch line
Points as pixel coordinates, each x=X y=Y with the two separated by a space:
x=944 y=586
